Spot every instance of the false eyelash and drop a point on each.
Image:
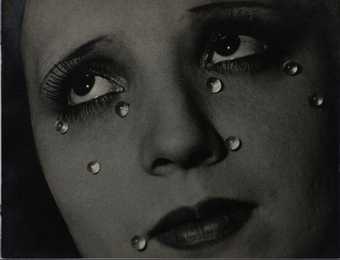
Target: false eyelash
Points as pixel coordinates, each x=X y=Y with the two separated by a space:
x=82 y=111
x=52 y=89
x=251 y=64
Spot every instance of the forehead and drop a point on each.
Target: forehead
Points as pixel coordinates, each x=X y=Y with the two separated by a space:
x=52 y=28
x=48 y=20
x=64 y=18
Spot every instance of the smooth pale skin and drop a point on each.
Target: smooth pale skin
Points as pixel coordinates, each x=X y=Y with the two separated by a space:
x=286 y=165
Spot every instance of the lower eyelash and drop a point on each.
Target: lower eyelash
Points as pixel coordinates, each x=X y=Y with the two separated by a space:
x=83 y=111
x=251 y=64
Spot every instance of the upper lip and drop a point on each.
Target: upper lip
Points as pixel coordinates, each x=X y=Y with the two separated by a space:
x=237 y=211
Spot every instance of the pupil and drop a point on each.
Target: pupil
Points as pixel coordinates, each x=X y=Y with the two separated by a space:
x=84 y=84
x=226 y=45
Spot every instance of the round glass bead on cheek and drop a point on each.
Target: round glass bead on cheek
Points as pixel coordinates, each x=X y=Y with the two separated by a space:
x=214 y=85
x=93 y=167
x=317 y=101
x=61 y=127
x=291 y=68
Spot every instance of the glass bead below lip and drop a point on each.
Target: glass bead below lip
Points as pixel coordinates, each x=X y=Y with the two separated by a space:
x=138 y=243
x=234 y=143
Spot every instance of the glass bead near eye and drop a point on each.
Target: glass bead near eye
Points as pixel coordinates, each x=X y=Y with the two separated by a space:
x=214 y=85
x=61 y=127
x=233 y=143
x=291 y=68
x=122 y=109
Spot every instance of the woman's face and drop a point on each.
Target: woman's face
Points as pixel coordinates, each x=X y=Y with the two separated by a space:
x=167 y=154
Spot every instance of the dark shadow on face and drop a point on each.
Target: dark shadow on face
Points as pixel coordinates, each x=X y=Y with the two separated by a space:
x=31 y=224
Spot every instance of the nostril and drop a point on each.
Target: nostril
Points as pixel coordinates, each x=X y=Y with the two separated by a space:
x=197 y=157
x=162 y=167
x=159 y=162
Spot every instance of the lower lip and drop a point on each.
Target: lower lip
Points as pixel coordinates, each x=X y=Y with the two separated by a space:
x=199 y=233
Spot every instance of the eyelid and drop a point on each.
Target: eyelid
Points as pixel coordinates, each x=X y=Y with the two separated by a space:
x=248 y=46
x=85 y=49
x=56 y=75
x=95 y=92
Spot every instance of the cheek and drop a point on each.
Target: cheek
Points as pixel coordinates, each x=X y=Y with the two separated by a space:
x=287 y=160
x=102 y=204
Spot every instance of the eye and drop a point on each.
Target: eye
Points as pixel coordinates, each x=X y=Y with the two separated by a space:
x=232 y=47
x=79 y=88
x=229 y=48
x=88 y=86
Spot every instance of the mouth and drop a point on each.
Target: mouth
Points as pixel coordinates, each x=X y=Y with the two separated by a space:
x=209 y=222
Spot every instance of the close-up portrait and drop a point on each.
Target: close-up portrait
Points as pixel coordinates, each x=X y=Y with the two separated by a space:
x=170 y=128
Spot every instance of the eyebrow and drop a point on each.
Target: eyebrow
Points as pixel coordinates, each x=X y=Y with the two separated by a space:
x=234 y=4
x=79 y=51
x=86 y=47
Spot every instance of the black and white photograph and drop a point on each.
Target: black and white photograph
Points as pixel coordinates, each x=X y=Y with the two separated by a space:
x=170 y=129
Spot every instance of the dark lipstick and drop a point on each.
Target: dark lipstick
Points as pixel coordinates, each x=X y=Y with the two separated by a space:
x=208 y=222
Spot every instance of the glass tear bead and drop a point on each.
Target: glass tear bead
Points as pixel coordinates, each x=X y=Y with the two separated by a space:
x=122 y=109
x=61 y=127
x=93 y=167
x=233 y=143
x=139 y=243
x=317 y=101
x=215 y=85
x=291 y=68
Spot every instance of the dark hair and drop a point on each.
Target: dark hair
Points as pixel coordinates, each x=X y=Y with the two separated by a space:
x=32 y=224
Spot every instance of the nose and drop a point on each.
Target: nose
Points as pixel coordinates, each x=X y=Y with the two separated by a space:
x=180 y=136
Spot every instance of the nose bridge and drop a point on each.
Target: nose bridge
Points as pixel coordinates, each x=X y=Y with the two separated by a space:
x=167 y=92
x=178 y=119
x=173 y=102
x=178 y=132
